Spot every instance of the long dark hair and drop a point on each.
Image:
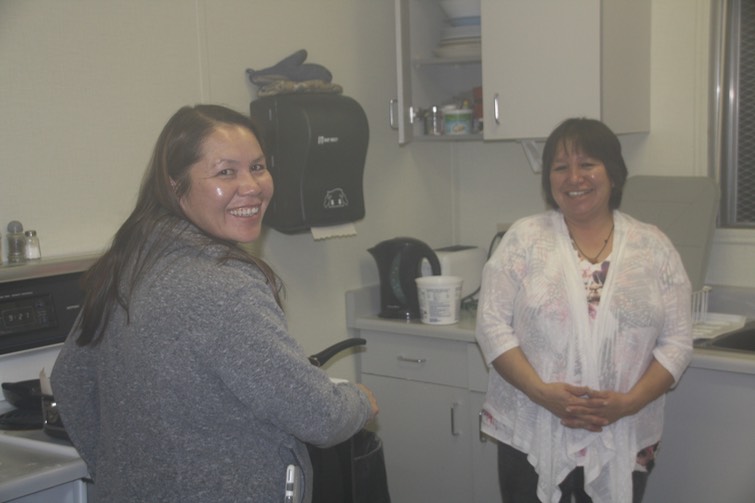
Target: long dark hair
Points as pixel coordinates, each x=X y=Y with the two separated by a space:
x=112 y=279
x=592 y=138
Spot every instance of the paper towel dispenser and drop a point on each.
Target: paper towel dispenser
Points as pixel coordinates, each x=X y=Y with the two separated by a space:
x=317 y=146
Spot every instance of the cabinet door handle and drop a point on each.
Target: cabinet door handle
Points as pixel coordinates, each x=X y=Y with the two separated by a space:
x=418 y=361
x=496 y=111
x=454 y=431
x=481 y=435
x=392 y=105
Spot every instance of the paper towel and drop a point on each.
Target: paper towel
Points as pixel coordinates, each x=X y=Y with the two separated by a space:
x=334 y=231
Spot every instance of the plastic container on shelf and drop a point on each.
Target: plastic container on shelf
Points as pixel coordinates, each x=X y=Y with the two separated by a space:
x=457 y=121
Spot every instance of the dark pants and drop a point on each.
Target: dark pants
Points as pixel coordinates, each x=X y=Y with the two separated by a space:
x=518 y=480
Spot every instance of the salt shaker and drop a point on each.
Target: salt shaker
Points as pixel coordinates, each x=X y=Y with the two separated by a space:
x=15 y=238
x=32 y=251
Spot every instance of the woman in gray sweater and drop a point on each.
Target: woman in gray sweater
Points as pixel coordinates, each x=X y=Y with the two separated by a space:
x=180 y=381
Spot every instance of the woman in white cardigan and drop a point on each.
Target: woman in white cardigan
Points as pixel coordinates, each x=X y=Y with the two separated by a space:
x=584 y=315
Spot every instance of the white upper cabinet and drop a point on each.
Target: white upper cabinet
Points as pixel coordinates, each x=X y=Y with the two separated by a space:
x=424 y=78
x=541 y=65
x=542 y=61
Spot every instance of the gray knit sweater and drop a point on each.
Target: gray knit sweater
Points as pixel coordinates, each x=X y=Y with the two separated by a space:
x=203 y=396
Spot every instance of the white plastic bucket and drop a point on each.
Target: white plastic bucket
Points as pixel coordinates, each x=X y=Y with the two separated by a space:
x=439 y=299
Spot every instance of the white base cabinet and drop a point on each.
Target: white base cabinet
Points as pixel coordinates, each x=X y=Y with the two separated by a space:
x=707 y=449
x=425 y=459
x=484 y=457
x=429 y=416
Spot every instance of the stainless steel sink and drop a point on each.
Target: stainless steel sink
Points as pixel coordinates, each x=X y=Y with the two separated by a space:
x=738 y=340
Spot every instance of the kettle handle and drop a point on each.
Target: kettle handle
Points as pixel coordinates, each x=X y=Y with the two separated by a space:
x=415 y=254
x=411 y=265
x=432 y=257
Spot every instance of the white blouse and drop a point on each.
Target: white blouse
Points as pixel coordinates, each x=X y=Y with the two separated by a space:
x=533 y=296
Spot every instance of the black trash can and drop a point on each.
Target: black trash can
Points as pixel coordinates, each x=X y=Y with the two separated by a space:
x=352 y=471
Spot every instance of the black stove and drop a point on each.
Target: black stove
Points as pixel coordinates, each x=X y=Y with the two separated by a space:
x=39 y=304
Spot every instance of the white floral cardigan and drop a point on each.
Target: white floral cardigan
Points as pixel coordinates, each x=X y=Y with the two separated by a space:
x=532 y=296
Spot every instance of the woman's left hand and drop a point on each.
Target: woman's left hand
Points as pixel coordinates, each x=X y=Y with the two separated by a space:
x=606 y=407
x=602 y=408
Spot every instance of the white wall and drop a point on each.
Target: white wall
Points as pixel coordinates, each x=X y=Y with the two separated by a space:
x=86 y=86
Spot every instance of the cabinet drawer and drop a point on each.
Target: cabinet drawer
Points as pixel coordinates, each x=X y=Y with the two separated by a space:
x=415 y=358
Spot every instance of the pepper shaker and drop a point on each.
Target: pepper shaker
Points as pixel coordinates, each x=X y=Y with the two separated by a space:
x=15 y=238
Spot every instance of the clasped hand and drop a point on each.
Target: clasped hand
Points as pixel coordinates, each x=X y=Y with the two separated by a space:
x=582 y=407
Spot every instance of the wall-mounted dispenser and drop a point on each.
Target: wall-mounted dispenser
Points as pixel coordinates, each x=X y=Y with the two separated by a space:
x=317 y=146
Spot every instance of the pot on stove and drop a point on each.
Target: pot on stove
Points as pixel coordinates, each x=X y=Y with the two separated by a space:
x=34 y=409
x=26 y=397
x=23 y=394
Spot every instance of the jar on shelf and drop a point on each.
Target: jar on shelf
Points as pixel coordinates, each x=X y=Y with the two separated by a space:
x=434 y=121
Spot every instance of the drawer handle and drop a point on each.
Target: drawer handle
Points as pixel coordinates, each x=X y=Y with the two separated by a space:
x=482 y=436
x=418 y=361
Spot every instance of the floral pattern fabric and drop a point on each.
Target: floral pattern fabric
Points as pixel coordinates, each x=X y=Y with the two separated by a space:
x=533 y=297
x=594 y=277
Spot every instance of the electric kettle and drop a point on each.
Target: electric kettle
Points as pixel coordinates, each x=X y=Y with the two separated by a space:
x=399 y=262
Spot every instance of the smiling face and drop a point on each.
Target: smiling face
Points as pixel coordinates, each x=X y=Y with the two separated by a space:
x=580 y=185
x=229 y=186
x=592 y=139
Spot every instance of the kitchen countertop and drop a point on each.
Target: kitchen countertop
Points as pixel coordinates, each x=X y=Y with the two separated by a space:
x=32 y=461
x=46 y=267
x=363 y=304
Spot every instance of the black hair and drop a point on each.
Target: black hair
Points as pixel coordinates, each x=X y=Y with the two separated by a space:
x=592 y=138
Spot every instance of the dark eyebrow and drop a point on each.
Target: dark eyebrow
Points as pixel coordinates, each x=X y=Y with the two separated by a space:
x=235 y=161
x=223 y=161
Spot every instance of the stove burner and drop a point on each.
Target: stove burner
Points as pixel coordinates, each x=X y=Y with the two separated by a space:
x=21 y=419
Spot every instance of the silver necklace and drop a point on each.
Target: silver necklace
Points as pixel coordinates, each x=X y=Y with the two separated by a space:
x=594 y=259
